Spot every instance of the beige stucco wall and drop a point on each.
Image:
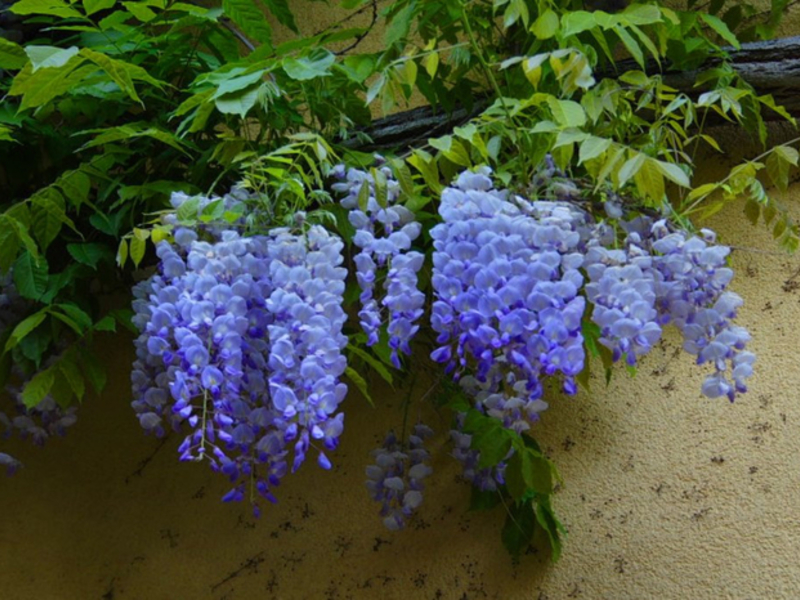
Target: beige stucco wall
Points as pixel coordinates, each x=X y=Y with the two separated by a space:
x=667 y=495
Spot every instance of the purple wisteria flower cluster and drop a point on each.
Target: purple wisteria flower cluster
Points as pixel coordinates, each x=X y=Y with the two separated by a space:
x=693 y=277
x=507 y=308
x=47 y=418
x=385 y=231
x=396 y=478
x=663 y=276
x=622 y=288
x=241 y=340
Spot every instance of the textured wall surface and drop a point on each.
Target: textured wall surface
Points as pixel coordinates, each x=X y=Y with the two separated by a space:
x=667 y=495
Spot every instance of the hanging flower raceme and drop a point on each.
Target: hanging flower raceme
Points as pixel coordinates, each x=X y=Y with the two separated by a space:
x=385 y=231
x=241 y=341
x=507 y=308
x=396 y=478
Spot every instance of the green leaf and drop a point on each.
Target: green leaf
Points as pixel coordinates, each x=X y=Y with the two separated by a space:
x=650 y=181
x=55 y=8
x=577 y=22
x=30 y=276
x=78 y=316
x=360 y=382
x=282 y=12
x=67 y=321
x=642 y=14
x=34 y=345
x=517 y=9
x=38 y=387
x=426 y=165
x=567 y=113
x=631 y=45
x=89 y=254
x=39 y=88
x=403 y=176
x=188 y=210
x=138 y=248
x=400 y=24
x=719 y=26
x=381 y=189
x=359 y=66
x=213 y=211
x=19 y=222
x=553 y=528
x=518 y=529
x=122 y=73
x=546 y=26
x=309 y=67
x=492 y=442
x=47 y=214
x=93 y=6
x=107 y=323
x=592 y=148
x=140 y=10
x=674 y=173
x=73 y=376
x=122 y=253
x=515 y=483
x=247 y=15
x=238 y=103
x=452 y=149
x=363 y=196
x=124 y=317
x=43 y=57
x=536 y=472
x=58 y=281
x=25 y=327
x=631 y=167
x=9 y=244
x=778 y=170
x=93 y=370
x=76 y=186
x=12 y=56
x=132 y=131
x=376 y=365
x=239 y=82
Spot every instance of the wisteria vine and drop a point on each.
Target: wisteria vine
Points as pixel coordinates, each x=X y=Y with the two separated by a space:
x=242 y=334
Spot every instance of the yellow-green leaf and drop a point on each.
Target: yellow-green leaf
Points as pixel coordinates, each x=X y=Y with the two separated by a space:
x=546 y=25
x=38 y=387
x=138 y=247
